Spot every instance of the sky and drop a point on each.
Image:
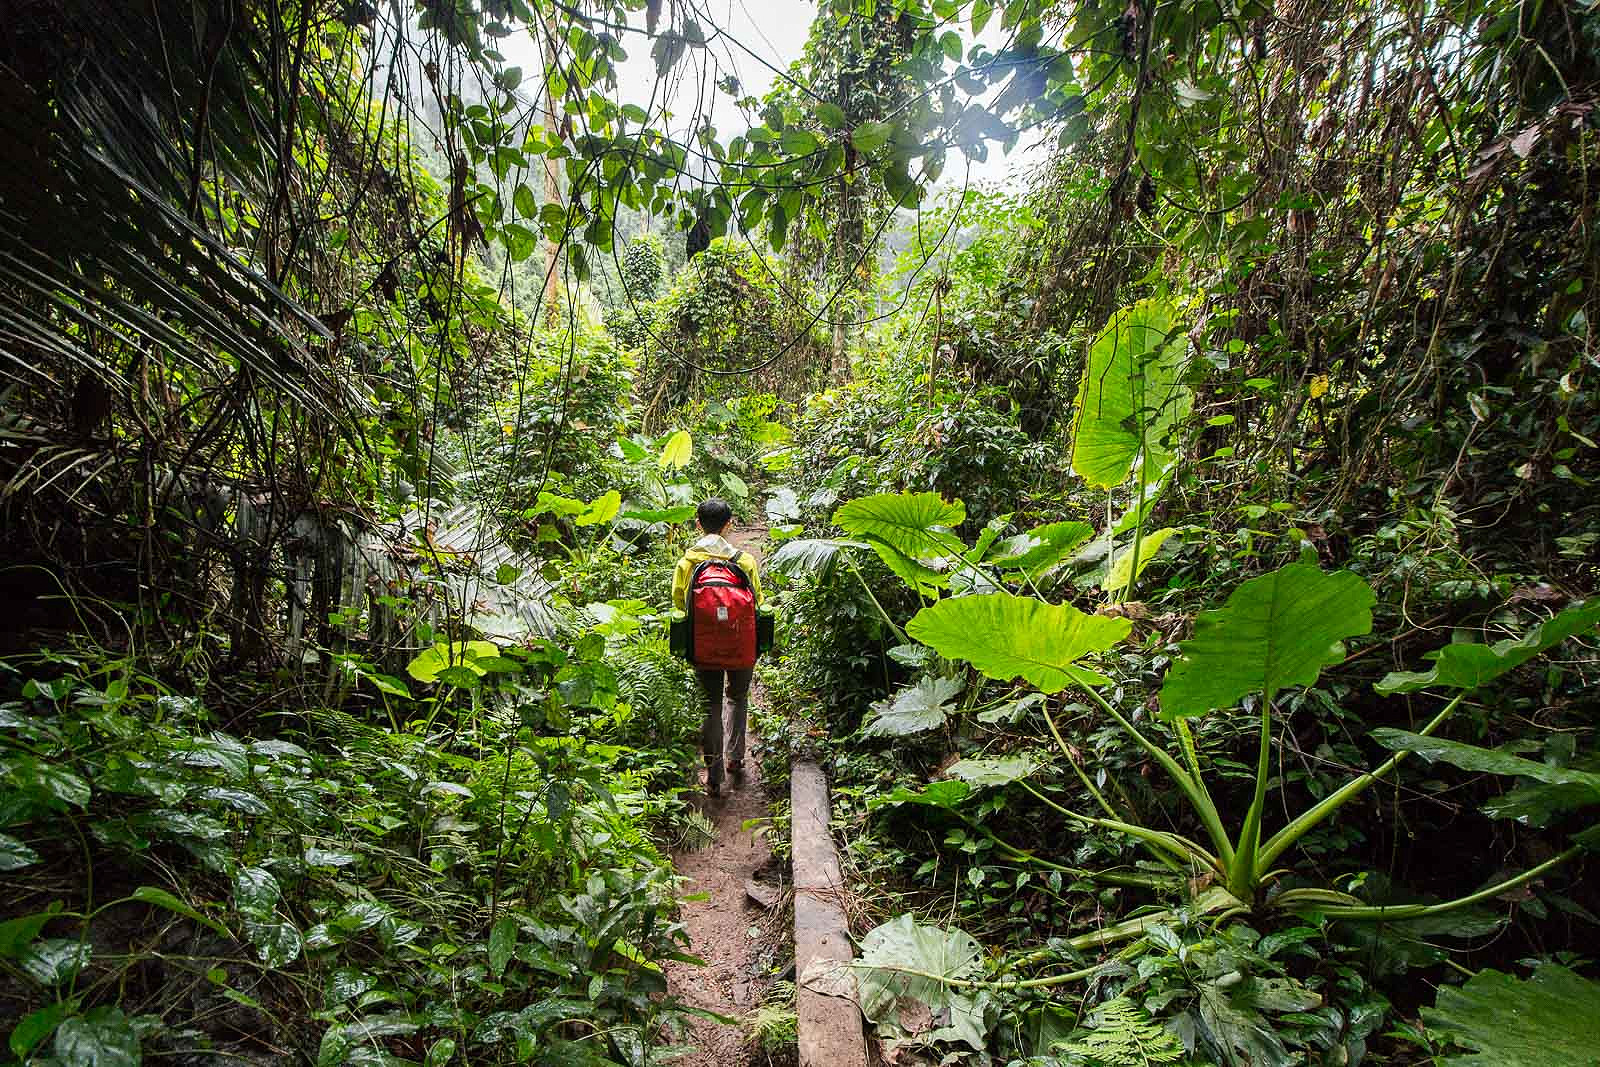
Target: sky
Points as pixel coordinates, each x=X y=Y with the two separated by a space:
x=768 y=34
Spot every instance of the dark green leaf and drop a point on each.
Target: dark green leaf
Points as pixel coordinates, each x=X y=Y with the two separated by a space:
x=55 y=961
x=1550 y=1020
x=1494 y=761
x=14 y=854
x=502 y=944
x=17 y=934
x=103 y=1038
x=1469 y=664
x=920 y=707
x=160 y=898
x=37 y=1026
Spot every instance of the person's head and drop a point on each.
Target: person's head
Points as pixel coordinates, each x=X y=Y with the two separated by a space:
x=713 y=515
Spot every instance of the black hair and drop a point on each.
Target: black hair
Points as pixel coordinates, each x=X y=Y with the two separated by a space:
x=714 y=515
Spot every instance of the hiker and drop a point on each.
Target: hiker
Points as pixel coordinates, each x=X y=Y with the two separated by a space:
x=719 y=589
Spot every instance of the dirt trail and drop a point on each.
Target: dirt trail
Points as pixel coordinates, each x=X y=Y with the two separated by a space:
x=725 y=924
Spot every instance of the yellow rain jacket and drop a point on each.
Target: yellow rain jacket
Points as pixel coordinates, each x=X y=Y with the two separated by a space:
x=712 y=546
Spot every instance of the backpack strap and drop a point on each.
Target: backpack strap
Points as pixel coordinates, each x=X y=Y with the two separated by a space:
x=731 y=563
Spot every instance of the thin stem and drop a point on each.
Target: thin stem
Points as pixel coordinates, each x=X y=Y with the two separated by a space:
x=1199 y=799
x=904 y=639
x=1100 y=799
x=1175 y=845
x=1423 y=911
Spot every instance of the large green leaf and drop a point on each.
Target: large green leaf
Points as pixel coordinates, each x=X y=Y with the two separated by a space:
x=945 y=793
x=1549 y=1020
x=429 y=664
x=1469 y=664
x=1275 y=631
x=1131 y=391
x=911 y=1007
x=923 y=706
x=677 y=451
x=809 y=557
x=917 y=525
x=105 y=1037
x=1577 y=788
x=926 y=580
x=993 y=770
x=1040 y=549
x=1007 y=637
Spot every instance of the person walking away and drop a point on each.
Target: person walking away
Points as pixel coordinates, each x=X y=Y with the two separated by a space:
x=719 y=587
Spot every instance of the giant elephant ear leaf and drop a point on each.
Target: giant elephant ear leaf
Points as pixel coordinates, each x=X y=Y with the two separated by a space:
x=1468 y=665
x=1550 y=1020
x=1007 y=637
x=916 y=525
x=1275 y=631
x=914 y=983
x=910 y=532
x=1131 y=395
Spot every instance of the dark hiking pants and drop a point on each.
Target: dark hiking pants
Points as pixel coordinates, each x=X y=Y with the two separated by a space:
x=719 y=744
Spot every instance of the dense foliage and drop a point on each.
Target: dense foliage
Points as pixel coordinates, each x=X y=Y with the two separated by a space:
x=1186 y=561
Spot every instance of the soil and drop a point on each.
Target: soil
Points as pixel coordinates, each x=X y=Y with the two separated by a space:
x=727 y=929
x=739 y=939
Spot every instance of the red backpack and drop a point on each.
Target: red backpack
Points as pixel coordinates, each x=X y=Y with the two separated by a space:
x=721 y=607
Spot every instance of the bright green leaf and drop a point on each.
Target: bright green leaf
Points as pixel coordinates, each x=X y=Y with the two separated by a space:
x=677 y=451
x=602 y=508
x=1041 y=549
x=1124 y=572
x=1008 y=637
x=1131 y=395
x=947 y=793
x=830 y=115
x=1275 y=631
x=993 y=771
x=916 y=525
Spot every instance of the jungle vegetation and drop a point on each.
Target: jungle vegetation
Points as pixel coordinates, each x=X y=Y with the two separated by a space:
x=1185 y=553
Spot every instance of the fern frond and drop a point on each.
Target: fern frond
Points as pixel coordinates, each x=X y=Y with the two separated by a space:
x=1122 y=1034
